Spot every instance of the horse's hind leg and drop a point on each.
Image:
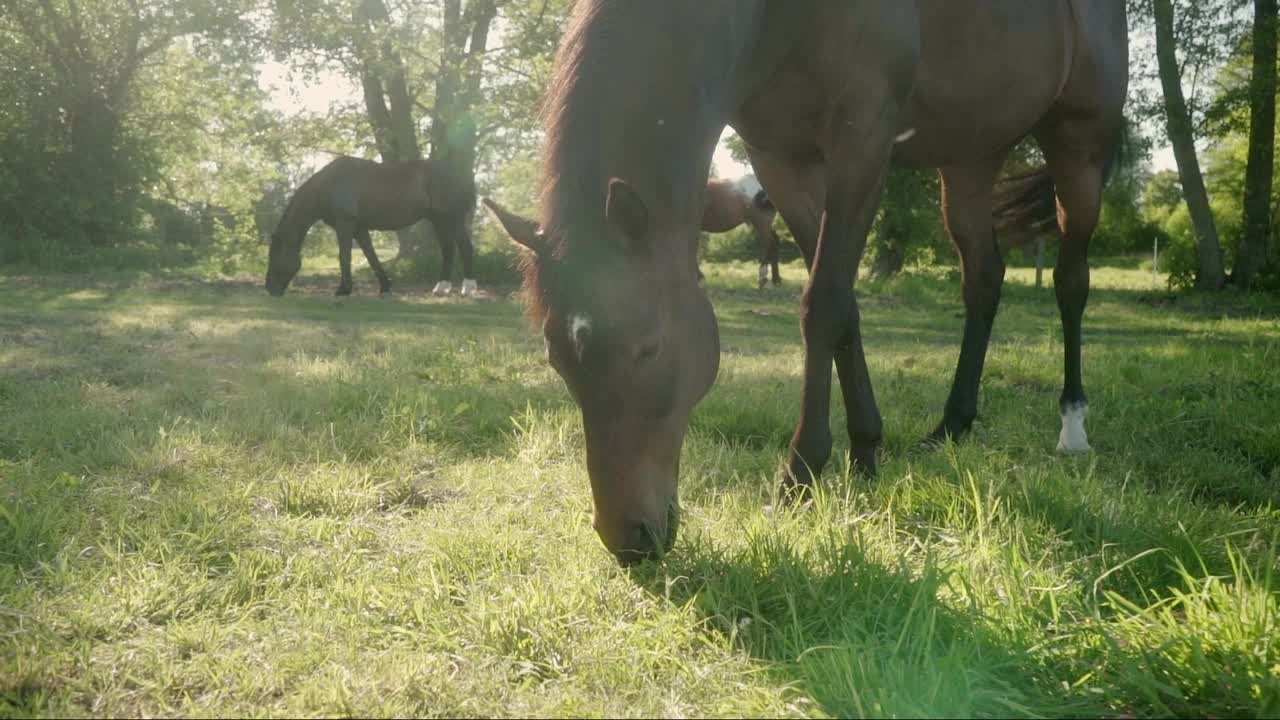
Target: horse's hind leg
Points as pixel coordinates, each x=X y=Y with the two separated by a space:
x=774 y=243
x=445 y=239
x=366 y=246
x=768 y=240
x=463 y=233
x=1077 y=165
x=344 y=232
x=966 y=207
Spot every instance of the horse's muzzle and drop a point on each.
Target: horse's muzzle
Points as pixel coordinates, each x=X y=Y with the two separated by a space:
x=644 y=543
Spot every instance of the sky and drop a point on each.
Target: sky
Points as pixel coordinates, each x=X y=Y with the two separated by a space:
x=314 y=96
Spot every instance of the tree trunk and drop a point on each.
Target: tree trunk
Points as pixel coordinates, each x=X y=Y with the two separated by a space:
x=453 y=131
x=1181 y=136
x=407 y=241
x=1262 y=125
x=375 y=107
x=394 y=130
x=449 y=78
x=400 y=115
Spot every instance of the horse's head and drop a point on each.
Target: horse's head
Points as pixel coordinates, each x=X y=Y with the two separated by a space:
x=284 y=259
x=635 y=340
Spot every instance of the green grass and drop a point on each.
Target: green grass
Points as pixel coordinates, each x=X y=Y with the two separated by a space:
x=212 y=503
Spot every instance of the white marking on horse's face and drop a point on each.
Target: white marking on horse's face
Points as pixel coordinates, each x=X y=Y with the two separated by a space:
x=579 y=331
x=905 y=135
x=1073 y=439
x=469 y=287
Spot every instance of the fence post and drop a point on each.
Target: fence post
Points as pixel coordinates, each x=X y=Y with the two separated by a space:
x=1040 y=262
x=1155 y=259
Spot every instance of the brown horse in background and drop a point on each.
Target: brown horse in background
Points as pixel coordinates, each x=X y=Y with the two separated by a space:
x=354 y=195
x=731 y=203
x=826 y=95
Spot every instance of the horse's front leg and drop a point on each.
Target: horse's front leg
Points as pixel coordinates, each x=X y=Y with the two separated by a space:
x=851 y=208
x=830 y=322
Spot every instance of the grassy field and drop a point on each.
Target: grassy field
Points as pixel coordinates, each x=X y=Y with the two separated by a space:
x=213 y=504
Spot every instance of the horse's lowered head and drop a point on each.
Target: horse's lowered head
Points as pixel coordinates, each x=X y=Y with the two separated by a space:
x=634 y=338
x=284 y=259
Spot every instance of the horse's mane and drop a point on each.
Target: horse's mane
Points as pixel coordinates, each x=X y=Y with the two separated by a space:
x=291 y=205
x=588 y=69
x=581 y=48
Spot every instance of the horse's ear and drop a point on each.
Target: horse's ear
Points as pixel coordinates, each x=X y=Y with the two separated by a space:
x=522 y=230
x=625 y=210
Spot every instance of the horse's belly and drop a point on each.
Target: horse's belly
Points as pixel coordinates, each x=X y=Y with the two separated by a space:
x=984 y=73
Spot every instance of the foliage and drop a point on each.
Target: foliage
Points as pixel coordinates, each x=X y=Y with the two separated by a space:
x=1207 y=34
x=1225 y=163
x=76 y=160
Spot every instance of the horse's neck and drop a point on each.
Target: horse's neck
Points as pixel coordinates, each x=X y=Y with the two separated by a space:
x=301 y=214
x=649 y=116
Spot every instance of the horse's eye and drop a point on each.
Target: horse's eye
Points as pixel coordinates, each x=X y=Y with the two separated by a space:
x=648 y=351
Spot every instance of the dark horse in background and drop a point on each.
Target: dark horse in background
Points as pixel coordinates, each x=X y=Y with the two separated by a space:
x=732 y=203
x=353 y=196
x=825 y=95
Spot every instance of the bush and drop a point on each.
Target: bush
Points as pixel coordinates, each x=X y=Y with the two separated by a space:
x=740 y=244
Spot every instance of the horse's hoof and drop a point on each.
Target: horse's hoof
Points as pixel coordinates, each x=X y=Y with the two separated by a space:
x=937 y=439
x=469 y=288
x=864 y=465
x=444 y=287
x=795 y=495
x=954 y=430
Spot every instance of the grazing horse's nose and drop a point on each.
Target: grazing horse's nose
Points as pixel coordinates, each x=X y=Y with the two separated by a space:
x=637 y=544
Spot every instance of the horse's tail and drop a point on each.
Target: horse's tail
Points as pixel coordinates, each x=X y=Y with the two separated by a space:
x=1026 y=205
x=763 y=202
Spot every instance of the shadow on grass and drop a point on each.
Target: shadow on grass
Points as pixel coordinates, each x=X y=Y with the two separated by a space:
x=859 y=638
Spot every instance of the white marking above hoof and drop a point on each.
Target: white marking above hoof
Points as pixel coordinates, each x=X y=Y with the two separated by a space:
x=905 y=135
x=444 y=287
x=1073 y=439
x=469 y=288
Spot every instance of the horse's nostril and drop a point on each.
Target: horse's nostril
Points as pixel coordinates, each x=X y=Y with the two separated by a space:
x=642 y=544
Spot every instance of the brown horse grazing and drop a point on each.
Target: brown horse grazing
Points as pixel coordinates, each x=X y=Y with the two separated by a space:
x=825 y=95
x=730 y=203
x=353 y=196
